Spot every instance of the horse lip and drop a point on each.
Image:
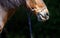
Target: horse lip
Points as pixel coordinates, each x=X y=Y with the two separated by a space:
x=40 y=18
x=43 y=16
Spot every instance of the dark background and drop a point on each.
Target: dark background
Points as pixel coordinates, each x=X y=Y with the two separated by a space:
x=17 y=25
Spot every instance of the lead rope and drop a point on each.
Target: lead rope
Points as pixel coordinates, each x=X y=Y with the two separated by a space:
x=30 y=26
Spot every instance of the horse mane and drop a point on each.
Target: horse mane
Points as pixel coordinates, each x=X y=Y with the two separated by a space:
x=10 y=6
x=10 y=3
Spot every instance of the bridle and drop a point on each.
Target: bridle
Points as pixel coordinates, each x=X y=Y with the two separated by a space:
x=40 y=10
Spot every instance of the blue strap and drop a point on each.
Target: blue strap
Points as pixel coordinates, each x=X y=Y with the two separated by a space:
x=30 y=26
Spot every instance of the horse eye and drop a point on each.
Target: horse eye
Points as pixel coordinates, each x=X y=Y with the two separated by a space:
x=32 y=8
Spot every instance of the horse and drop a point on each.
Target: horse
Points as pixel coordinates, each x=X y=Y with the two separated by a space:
x=8 y=8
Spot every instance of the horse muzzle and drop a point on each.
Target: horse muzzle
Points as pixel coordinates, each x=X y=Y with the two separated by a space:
x=44 y=17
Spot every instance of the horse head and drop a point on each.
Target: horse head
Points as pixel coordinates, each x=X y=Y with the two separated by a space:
x=39 y=9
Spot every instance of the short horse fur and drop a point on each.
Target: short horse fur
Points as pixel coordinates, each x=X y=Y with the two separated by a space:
x=8 y=8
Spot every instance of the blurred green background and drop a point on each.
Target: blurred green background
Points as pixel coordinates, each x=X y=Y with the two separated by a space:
x=17 y=25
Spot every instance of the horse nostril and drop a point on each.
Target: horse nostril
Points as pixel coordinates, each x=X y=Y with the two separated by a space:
x=47 y=14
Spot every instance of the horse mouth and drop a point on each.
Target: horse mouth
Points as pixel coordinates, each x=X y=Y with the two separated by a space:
x=42 y=18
